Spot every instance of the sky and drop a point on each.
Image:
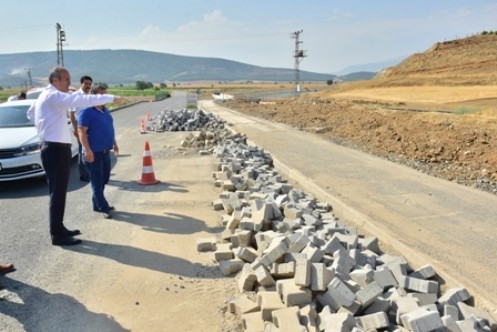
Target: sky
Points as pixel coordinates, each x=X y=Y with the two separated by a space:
x=335 y=34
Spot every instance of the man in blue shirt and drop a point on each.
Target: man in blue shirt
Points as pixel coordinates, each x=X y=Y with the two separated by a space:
x=96 y=133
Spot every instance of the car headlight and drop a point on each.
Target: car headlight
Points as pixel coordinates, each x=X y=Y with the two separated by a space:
x=28 y=149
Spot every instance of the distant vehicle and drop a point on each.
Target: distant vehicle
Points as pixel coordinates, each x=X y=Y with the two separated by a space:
x=34 y=93
x=20 y=146
x=221 y=96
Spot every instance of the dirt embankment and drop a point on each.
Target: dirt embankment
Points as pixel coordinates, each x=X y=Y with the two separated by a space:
x=452 y=146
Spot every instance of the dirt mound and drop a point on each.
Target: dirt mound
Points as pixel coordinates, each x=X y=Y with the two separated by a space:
x=460 y=148
x=457 y=62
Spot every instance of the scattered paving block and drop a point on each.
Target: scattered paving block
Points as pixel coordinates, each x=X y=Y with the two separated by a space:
x=246 y=254
x=424 y=272
x=241 y=304
x=368 y=294
x=303 y=273
x=373 y=322
x=293 y=294
x=223 y=252
x=252 y=322
x=206 y=244
x=269 y=302
x=385 y=278
x=321 y=276
x=231 y=266
x=468 y=311
x=287 y=320
x=337 y=295
x=422 y=320
x=283 y=270
x=339 y=322
x=247 y=279
x=454 y=295
x=419 y=285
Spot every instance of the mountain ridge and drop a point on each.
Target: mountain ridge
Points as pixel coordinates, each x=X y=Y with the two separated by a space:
x=128 y=66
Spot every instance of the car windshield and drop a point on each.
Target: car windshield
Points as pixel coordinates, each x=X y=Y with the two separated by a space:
x=14 y=116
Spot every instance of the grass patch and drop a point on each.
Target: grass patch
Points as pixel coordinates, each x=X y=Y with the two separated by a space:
x=467 y=110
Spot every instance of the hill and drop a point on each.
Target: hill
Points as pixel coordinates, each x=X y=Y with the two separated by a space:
x=465 y=61
x=129 y=66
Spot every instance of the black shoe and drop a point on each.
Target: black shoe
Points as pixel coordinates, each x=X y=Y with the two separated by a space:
x=111 y=208
x=73 y=232
x=65 y=241
x=84 y=178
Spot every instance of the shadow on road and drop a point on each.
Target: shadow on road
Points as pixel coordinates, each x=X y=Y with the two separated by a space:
x=38 y=310
x=171 y=223
x=147 y=259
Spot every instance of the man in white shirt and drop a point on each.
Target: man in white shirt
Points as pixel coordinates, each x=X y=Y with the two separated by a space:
x=86 y=83
x=49 y=114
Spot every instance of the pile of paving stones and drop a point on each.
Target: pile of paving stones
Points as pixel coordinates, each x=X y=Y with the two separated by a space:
x=299 y=268
x=184 y=120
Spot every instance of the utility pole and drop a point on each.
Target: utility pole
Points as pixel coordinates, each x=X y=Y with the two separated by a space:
x=61 y=37
x=30 y=78
x=298 y=56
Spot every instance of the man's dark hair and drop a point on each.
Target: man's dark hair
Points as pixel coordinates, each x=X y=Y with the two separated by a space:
x=84 y=78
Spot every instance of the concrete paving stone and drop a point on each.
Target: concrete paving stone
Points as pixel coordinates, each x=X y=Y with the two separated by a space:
x=424 y=298
x=419 y=285
x=292 y=294
x=283 y=270
x=268 y=302
x=223 y=252
x=363 y=276
x=373 y=322
x=287 y=320
x=241 y=304
x=468 y=311
x=242 y=238
x=454 y=295
x=401 y=306
x=339 y=322
x=247 y=279
x=422 y=320
x=231 y=266
x=246 y=254
x=342 y=263
x=206 y=244
x=252 y=322
x=379 y=305
x=313 y=253
x=368 y=294
x=337 y=295
x=385 y=278
x=333 y=245
x=370 y=243
x=274 y=252
x=264 y=277
x=308 y=317
x=303 y=273
x=321 y=276
x=425 y=272
x=450 y=324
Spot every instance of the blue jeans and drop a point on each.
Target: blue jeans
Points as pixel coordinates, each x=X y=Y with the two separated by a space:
x=99 y=171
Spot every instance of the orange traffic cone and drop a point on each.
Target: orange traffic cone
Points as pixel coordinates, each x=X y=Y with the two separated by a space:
x=148 y=176
x=143 y=129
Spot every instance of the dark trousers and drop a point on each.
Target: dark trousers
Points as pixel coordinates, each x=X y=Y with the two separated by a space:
x=99 y=171
x=83 y=171
x=56 y=160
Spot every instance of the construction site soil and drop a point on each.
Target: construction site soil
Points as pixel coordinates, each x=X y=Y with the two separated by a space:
x=450 y=141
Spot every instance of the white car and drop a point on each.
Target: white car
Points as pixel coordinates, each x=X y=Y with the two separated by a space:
x=20 y=145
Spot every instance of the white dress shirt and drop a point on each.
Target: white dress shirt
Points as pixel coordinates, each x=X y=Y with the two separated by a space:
x=49 y=112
